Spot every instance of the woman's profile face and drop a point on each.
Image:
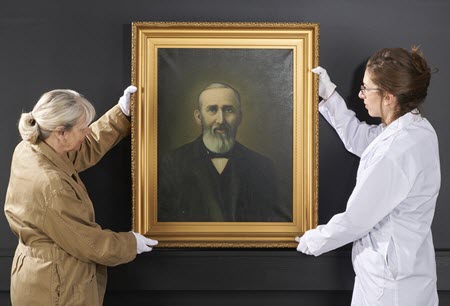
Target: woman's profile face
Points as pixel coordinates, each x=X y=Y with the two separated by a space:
x=75 y=136
x=370 y=93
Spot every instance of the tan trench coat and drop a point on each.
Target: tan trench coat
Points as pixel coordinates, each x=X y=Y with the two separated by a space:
x=62 y=254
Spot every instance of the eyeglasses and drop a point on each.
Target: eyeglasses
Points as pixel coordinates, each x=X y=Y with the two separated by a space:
x=364 y=89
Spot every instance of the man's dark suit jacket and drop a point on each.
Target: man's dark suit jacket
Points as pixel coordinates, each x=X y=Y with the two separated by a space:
x=191 y=190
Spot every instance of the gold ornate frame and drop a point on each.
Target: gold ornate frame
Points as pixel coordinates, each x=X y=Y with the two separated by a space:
x=302 y=39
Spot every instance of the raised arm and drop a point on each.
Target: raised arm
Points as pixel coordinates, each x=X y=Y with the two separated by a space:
x=355 y=135
x=105 y=133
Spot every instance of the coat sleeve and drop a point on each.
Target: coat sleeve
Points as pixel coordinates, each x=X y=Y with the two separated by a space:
x=105 y=133
x=66 y=222
x=378 y=191
x=355 y=135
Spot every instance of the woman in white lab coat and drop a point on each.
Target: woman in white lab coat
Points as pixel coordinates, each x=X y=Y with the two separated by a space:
x=389 y=213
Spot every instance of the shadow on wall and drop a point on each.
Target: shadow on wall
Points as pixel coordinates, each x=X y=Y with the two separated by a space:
x=353 y=101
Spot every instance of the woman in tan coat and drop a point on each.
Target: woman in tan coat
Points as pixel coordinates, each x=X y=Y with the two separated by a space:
x=62 y=253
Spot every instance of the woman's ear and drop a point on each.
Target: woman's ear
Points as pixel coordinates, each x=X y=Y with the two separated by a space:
x=60 y=133
x=390 y=99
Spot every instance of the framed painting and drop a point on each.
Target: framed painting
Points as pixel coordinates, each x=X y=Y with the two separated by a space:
x=224 y=133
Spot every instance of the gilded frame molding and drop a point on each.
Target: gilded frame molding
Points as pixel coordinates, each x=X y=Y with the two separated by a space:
x=303 y=40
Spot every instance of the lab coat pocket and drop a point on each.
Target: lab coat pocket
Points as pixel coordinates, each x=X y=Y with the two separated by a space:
x=391 y=260
x=86 y=294
x=370 y=269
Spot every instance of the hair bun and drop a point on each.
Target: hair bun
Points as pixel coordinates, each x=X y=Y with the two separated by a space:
x=28 y=128
x=31 y=119
x=419 y=61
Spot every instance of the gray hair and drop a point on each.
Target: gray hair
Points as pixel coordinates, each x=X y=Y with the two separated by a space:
x=55 y=109
x=218 y=85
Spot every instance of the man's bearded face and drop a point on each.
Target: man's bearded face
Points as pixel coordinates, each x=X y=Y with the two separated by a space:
x=220 y=117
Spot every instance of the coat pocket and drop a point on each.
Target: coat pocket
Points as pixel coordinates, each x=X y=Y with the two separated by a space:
x=369 y=266
x=33 y=281
x=17 y=262
x=391 y=260
x=86 y=294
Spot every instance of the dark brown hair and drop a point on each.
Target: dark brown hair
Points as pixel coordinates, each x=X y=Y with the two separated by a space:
x=404 y=74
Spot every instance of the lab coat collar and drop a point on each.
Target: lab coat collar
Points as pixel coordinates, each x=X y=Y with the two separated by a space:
x=62 y=162
x=393 y=128
x=400 y=123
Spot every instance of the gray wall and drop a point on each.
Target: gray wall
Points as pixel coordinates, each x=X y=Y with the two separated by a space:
x=85 y=45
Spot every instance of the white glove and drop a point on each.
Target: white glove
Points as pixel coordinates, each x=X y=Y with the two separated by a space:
x=144 y=244
x=302 y=247
x=326 y=87
x=124 y=101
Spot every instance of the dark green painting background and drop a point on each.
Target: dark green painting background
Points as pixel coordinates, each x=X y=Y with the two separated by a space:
x=264 y=79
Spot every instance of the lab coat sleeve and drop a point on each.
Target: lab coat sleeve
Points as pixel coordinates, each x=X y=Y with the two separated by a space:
x=355 y=135
x=105 y=133
x=66 y=222
x=378 y=191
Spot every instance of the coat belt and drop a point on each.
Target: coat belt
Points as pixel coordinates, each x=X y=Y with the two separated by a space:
x=47 y=251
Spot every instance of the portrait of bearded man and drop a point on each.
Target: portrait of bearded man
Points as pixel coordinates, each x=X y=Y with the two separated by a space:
x=215 y=178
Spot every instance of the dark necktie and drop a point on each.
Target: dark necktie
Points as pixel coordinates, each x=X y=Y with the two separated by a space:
x=212 y=154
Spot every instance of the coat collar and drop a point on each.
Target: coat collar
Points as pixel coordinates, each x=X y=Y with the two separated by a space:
x=400 y=123
x=61 y=162
x=395 y=127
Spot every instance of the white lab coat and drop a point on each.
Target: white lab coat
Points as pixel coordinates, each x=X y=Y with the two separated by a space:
x=389 y=213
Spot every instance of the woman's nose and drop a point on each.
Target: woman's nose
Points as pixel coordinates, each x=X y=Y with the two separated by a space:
x=360 y=95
